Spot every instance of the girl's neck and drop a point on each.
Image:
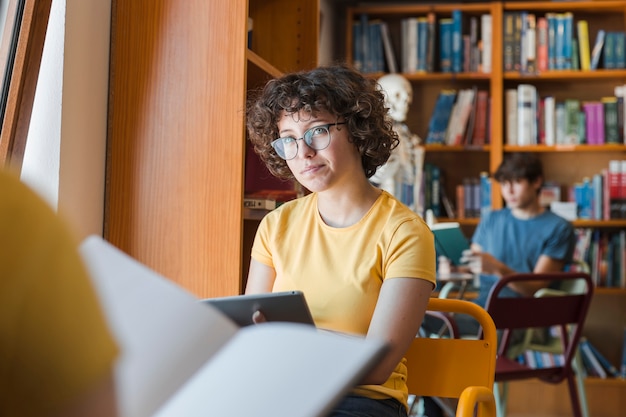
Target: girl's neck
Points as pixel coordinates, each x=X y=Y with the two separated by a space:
x=346 y=207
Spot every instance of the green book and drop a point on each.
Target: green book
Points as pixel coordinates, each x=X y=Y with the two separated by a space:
x=450 y=241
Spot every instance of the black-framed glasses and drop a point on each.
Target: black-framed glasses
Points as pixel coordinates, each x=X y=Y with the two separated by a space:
x=317 y=138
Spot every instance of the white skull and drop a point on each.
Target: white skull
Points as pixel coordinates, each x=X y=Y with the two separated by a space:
x=398 y=95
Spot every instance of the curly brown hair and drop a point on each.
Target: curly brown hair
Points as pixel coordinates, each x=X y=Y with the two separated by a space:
x=337 y=89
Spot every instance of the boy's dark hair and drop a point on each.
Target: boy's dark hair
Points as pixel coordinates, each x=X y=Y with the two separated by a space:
x=339 y=90
x=518 y=166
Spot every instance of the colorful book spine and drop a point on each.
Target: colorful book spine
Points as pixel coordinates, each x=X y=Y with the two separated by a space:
x=457 y=40
x=422 y=43
x=445 y=44
x=568 y=36
x=549 y=109
x=611 y=126
x=552 y=27
x=596 y=52
x=606 y=364
x=622 y=370
x=587 y=353
x=614 y=181
x=508 y=39
x=526 y=114
x=485 y=43
x=440 y=117
x=608 y=58
x=542 y=44
x=583 y=45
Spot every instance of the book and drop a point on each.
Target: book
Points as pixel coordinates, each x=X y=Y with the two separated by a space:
x=508 y=39
x=486 y=43
x=431 y=24
x=583 y=45
x=409 y=44
x=445 y=44
x=176 y=349
x=268 y=199
x=549 y=109
x=390 y=55
x=526 y=114
x=510 y=111
x=422 y=43
x=606 y=364
x=542 y=44
x=479 y=134
x=450 y=241
x=611 y=126
x=439 y=120
x=457 y=43
x=597 y=49
x=588 y=356
x=608 y=57
x=459 y=118
x=622 y=369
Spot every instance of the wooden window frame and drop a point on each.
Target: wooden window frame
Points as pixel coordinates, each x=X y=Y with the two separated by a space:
x=25 y=47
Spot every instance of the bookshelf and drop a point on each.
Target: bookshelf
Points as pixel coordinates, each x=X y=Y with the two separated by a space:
x=180 y=76
x=564 y=164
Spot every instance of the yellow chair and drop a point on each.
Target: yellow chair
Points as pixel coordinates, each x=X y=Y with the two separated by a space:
x=462 y=369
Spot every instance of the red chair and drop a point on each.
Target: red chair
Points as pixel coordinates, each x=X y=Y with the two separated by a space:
x=565 y=311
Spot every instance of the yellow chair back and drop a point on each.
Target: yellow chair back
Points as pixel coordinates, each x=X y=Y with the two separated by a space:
x=456 y=368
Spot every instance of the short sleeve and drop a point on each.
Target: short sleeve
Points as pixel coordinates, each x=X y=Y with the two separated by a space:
x=54 y=340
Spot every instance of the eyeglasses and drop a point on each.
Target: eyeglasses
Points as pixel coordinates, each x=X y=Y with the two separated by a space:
x=317 y=138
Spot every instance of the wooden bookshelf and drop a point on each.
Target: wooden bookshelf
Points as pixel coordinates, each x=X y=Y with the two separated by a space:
x=180 y=77
x=564 y=164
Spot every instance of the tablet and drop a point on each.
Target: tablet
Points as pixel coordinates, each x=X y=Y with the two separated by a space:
x=288 y=306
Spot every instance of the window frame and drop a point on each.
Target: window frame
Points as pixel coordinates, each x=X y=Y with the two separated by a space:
x=27 y=44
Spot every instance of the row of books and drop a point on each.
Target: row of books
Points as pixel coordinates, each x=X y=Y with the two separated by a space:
x=428 y=43
x=604 y=254
x=554 y=41
x=535 y=120
x=603 y=196
x=460 y=118
x=594 y=362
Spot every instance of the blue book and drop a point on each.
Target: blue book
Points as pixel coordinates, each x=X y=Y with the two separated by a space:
x=357 y=45
x=608 y=366
x=422 y=44
x=376 y=48
x=457 y=41
x=365 y=43
x=445 y=45
x=559 y=42
x=551 y=40
x=441 y=115
x=619 y=54
x=608 y=58
x=568 y=36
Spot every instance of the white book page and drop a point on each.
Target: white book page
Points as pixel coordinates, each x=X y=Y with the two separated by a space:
x=276 y=369
x=164 y=333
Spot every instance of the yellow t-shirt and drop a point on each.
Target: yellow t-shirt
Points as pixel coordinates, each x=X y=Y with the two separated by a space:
x=341 y=270
x=54 y=341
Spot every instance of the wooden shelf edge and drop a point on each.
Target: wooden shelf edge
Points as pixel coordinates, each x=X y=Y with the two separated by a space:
x=262 y=64
x=609 y=147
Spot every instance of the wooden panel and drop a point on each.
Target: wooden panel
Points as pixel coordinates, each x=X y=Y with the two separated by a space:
x=285 y=32
x=606 y=398
x=175 y=148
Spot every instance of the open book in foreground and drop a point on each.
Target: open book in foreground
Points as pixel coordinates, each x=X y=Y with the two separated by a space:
x=184 y=358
